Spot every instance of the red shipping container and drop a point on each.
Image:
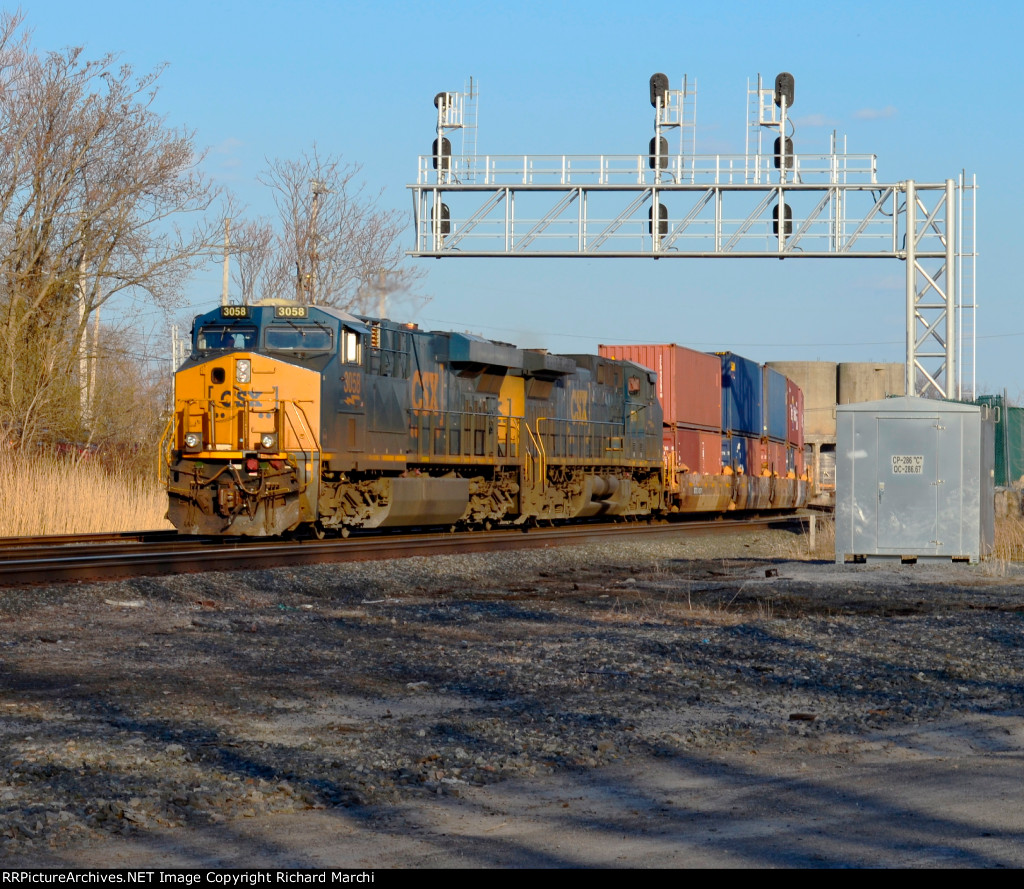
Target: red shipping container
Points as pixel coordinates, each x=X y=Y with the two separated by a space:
x=698 y=451
x=766 y=457
x=798 y=461
x=689 y=382
x=795 y=414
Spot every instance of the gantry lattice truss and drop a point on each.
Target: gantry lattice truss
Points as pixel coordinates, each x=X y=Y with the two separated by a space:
x=717 y=206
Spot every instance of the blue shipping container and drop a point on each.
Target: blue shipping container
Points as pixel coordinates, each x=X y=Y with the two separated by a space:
x=734 y=452
x=775 y=414
x=742 y=395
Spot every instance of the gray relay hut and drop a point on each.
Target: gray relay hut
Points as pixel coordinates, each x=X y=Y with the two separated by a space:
x=914 y=479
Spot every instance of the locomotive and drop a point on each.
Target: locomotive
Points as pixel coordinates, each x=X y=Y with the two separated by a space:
x=290 y=417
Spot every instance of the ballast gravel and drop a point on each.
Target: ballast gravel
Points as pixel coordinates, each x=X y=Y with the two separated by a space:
x=189 y=702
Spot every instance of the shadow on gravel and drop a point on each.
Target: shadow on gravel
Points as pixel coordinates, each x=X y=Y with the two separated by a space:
x=684 y=811
x=605 y=727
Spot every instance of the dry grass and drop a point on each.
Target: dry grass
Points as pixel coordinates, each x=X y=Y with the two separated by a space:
x=53 y=495
x=1010 y=538
x=1009 y=541
x=799 y=546
x=824 y=539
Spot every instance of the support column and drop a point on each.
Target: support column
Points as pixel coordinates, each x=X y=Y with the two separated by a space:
x=951 y=293
x=911 y=260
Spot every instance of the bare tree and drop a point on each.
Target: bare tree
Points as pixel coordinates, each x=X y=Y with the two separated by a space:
x=254 y=252
x=127 y=376
x=331 y=242
x=93 y=186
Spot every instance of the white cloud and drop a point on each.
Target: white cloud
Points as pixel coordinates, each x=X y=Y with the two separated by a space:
x=876 y=113
x=228 y=146
x=815 y=120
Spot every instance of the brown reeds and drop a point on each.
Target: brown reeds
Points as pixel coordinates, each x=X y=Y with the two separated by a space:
x=1010 y=538
x=52 y=494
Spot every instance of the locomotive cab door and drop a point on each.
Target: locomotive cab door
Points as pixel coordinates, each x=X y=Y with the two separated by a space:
x=511 y=408
x=635 y=418
x=351 y=404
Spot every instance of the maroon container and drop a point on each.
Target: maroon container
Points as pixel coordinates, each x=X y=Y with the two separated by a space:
x=689 y=382
x=794 y=414
x=766 y=458
x=796 y=461
x=694 y=449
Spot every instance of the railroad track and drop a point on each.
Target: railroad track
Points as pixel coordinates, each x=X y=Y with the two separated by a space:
x=74 y=558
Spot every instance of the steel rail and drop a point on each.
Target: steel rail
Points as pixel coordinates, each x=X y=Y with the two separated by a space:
x=10 y=545
x=81 y=561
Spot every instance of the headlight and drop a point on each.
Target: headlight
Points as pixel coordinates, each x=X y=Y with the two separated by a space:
x=193 y=441
x=268 y=441
x=243 y=370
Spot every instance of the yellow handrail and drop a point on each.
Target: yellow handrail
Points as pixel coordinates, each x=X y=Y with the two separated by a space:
x=309 y=429
x=163 y=454
x=538 y=443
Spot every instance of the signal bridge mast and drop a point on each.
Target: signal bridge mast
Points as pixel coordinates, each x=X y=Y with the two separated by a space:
x=765 y=203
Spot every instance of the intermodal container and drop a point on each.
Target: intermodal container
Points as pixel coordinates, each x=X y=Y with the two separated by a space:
x=767 y=458
x=694 y=450
x=795 y=415
x=742 y=395
x=775 y=417
x=737 y=451
x=689 y=382
x=796 y=461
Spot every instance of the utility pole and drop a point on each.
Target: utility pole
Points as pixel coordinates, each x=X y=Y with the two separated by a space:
x=318 y=188
x=227 y=261
x=83 y=343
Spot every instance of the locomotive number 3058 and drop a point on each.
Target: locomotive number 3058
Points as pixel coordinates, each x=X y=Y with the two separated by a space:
x=291 y=311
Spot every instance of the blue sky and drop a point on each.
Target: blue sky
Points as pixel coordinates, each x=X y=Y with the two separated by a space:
x=930 y=87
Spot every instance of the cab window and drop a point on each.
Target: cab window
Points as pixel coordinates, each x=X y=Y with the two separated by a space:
x=223 y=337
x=298 y=338
x=352 y=350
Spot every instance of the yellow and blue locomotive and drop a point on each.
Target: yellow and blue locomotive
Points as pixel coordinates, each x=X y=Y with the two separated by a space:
x=290 y=416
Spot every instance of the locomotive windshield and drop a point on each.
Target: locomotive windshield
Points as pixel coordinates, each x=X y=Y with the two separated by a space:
x=298 y=338
x=224 y=337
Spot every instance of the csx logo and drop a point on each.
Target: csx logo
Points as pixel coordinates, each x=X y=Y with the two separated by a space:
x=424 y=391
x=239 y=398
x=579 y=405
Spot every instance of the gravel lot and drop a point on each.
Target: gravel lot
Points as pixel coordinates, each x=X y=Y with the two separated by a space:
x=693 y=702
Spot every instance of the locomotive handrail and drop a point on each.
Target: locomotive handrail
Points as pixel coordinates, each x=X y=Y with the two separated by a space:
x=541 y=452
x=305 y=420
x=602 y=442
x=163 y=454
x=304 y=480
x=211 y=410
x=417 y=413
x=512 y=434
